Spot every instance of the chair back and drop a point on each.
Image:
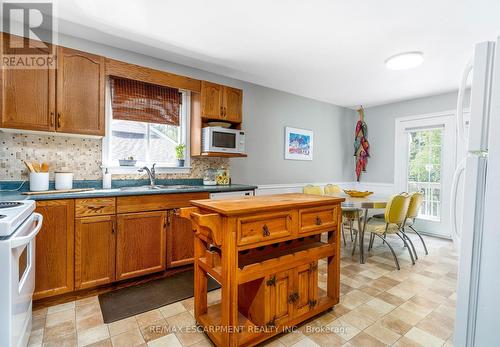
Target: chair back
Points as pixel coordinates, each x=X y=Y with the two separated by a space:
x=416 y=200
x=332 y=189
x=310 y=189
x=396 y=209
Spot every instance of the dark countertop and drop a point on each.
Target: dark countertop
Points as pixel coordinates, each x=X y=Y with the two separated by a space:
x=195 y=186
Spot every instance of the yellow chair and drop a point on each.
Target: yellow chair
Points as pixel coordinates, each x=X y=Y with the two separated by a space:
x=310 y=189
x=331 y=189
x=349 y=215
x=416 y=200
x=394 y=218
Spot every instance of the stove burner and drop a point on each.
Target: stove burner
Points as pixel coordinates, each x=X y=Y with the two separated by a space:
x=2 y=216
x=8 y=204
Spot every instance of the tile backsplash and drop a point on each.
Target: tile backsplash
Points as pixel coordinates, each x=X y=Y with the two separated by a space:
x=82 y=156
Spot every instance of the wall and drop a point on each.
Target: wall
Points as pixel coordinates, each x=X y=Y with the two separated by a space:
x=266 y=113
x=381 y=122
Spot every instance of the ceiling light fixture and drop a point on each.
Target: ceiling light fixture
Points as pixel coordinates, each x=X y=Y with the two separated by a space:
x=404 y=61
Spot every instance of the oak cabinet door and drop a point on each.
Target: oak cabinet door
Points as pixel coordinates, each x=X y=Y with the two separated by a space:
x=180 y=241
x=140 y=244
x=80 y=92
x=281 y=307
x=94 y=251
x=211 y=100
x=54 y=259
x=306 y=286
x=232 y=104
x=27 y=95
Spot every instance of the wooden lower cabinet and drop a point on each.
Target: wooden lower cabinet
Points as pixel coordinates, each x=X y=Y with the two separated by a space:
x=95 y=242
x=180 y=241
x=140 y=244
x=54 y=249
x=280 y=297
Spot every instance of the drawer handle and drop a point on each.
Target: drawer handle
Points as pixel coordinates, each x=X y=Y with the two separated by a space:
x=313 y=267
x=265 y=230
x=292 y=298
x=96 y=208
x=318 y=221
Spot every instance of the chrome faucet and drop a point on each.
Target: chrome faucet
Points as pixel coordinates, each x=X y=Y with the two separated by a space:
x=151 y=174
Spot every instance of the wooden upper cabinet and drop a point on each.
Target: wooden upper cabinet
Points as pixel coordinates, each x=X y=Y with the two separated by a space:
x=95 y=242
x=232 y=100
x=221 y=102
x=80 y=92
x=140 y=244
x=54 y=263
x=211 y=100
x=27 y=95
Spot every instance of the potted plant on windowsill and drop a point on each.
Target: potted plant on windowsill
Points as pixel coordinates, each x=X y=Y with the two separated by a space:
x=179 y=153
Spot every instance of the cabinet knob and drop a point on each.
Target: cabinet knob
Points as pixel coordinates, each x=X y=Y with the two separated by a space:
x=265 y=231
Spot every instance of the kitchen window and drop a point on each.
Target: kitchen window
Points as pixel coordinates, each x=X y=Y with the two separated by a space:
x=146 y=122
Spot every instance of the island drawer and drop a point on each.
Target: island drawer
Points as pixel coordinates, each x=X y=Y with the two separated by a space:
x=264 y=227
x=95 y=207
x=317 y=218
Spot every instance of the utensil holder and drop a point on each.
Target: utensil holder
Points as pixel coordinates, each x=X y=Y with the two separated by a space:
x=39 y=181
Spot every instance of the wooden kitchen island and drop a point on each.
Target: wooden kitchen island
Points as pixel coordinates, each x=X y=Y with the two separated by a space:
x=264 y=251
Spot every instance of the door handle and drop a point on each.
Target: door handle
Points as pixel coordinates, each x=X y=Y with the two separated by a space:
x=52 y=118
x=58 y=120
x=460 y=102
x=292 y=298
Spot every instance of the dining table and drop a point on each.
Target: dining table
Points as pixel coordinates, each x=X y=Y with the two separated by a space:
x=359 y=205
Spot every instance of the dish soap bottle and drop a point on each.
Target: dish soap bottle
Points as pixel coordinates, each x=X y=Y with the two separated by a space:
x=106 y=180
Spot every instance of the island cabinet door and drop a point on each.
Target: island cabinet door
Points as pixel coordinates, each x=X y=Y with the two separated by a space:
x=180 y=241
x=280 y=297
x=54 y=267
x=140 y=244
x=95 y=242
x=306 y=287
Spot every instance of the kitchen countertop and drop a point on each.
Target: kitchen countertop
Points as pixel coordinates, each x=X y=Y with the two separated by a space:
x=194 y=187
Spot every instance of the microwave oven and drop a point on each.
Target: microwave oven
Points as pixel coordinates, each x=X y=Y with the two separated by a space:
x=218 y=139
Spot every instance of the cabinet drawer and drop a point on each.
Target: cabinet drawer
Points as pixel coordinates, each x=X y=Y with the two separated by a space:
x=319 y=218
x=95 y=207
x=264 y=227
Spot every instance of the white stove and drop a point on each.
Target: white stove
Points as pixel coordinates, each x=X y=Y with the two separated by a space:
x=19 y=225
x=12 y=214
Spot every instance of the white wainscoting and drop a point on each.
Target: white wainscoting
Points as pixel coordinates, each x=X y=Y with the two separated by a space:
x=377 y=188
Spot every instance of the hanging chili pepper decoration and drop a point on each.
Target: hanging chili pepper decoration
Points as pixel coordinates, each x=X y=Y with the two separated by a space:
x=361 y=145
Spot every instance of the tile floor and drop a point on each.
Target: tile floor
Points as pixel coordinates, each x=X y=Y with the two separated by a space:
x=379 y=306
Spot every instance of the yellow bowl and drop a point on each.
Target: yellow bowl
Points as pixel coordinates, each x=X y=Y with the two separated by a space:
x=357 y=194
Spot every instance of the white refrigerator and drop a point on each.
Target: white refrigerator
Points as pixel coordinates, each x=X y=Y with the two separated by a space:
x=478 y=304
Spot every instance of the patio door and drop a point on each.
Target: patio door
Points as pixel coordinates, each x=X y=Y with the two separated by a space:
x=425 y=160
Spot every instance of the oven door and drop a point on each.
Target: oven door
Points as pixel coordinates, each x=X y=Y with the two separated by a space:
x=22 y=280
x=224 y=141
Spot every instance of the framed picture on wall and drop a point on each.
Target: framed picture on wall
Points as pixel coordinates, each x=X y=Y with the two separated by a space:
x=298 y=144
